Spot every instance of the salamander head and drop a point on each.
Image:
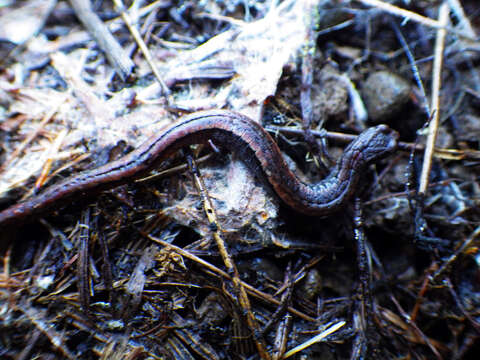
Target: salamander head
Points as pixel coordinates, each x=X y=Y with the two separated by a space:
x=374 y=143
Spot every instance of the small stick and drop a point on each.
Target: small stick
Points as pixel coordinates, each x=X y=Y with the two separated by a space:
x=241 y=293
x=398 y=11
x=143 y=47
x=115 y=54
x=436 y=85
x=219 y=272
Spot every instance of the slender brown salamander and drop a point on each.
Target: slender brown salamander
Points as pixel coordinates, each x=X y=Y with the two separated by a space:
x=234 y=132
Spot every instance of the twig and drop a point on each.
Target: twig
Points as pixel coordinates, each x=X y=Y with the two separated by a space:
x=308 y=54
x=436 y=85
x=413 y=66
x=468 y=243
x=395 y=10
x=83 y=261
x=464 y=22
x=115 y=54
x=414 y=327
x=242 y=296
x=143 y=47
x=440 y=153
x=250 y=289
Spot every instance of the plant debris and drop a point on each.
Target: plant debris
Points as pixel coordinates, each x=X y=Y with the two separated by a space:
x=200 y=260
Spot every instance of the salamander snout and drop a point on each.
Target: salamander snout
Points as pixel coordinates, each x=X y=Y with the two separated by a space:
x=375 y=142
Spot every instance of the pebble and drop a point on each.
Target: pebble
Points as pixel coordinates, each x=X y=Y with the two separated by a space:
x=385 y=94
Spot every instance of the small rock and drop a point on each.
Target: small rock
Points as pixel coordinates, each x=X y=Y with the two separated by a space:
x=384 y=94
x=311 y=285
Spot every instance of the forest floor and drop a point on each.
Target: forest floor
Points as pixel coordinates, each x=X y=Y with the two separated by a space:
x=205 y=261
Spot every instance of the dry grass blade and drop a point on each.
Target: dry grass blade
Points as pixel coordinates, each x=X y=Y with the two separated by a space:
x=330 y=330
x=32 y=136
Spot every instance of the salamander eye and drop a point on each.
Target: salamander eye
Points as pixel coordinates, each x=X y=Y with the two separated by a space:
x=377 y=142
